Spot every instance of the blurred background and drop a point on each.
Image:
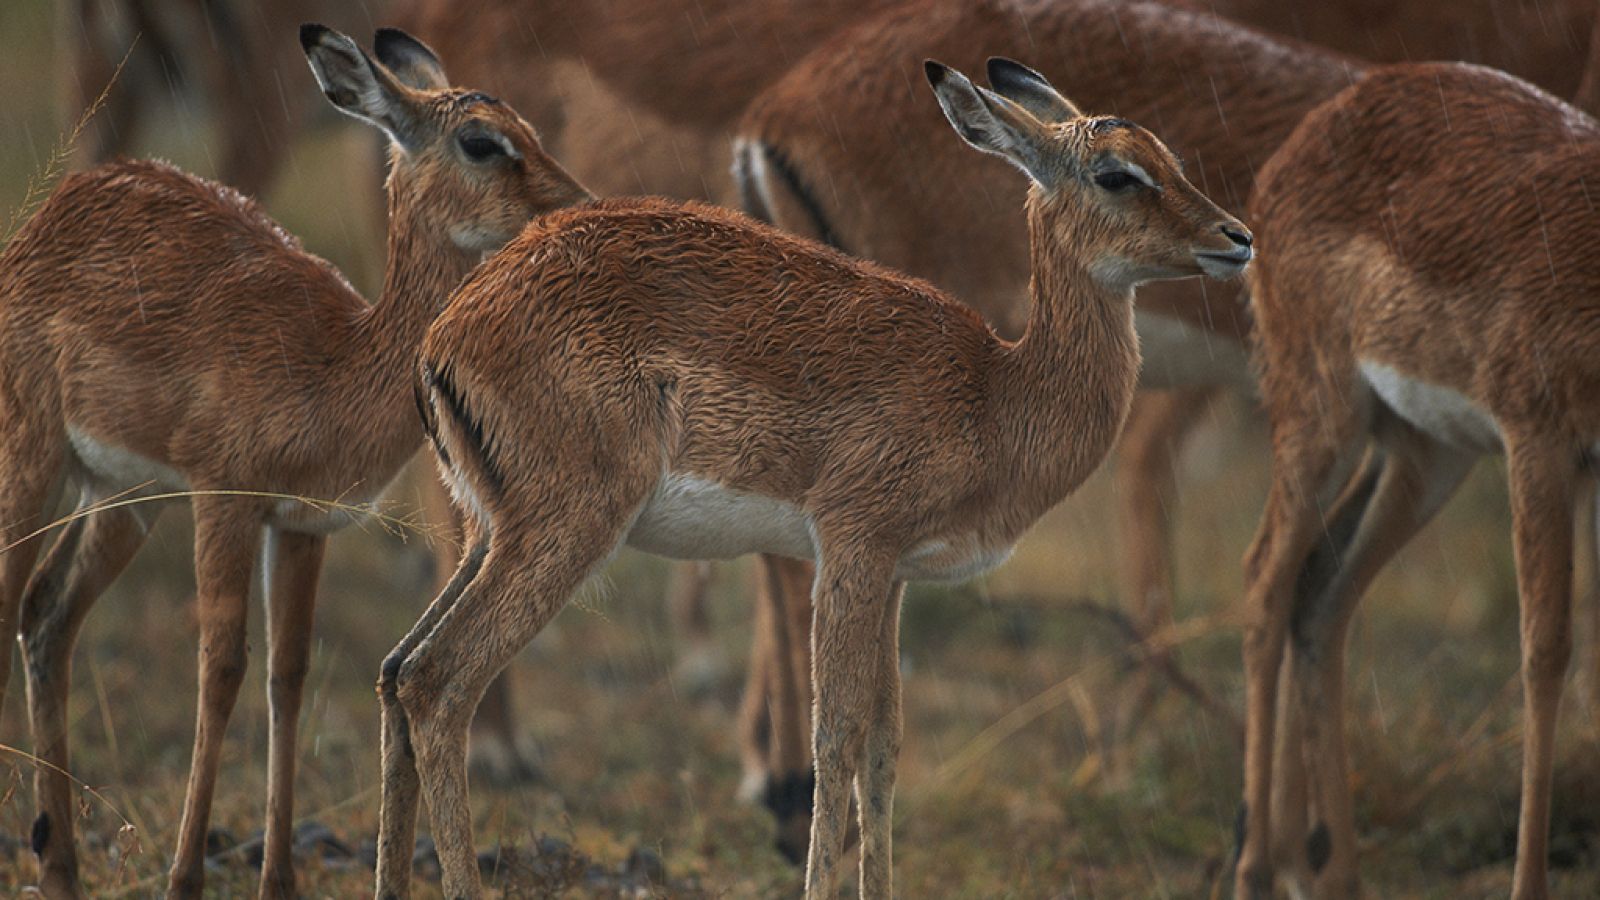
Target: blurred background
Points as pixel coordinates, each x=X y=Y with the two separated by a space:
x=1011 y=681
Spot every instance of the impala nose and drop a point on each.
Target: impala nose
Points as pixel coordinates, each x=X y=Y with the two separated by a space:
x=1238 y=234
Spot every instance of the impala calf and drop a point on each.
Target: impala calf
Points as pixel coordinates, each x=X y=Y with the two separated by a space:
x=1427 y=293
x=687 y=381
x=159 y=330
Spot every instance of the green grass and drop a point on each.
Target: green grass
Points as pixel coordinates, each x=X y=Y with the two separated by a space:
x=635 y=762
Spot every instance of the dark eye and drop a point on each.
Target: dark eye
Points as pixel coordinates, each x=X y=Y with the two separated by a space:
x=479 y=148
x=1116 y=180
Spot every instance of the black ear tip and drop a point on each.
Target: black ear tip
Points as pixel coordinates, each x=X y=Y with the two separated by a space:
x=390 y=39
x=311 y=34
x=1000 y=67
x=935 y=70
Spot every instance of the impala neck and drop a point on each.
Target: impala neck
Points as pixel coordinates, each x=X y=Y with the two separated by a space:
x=1064 y=388
x=423 y=267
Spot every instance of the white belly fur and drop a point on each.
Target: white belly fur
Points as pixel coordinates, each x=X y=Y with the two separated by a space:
x=689 y=517
x=1442 y=413
x=114 y=469
x=694 y=518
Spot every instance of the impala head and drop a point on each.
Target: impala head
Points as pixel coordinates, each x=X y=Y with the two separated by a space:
x=1105 y=188
x=467 y=157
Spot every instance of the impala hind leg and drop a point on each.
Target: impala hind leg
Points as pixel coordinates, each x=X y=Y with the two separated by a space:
x=688 y=599
x=291 y=563
x=30 y=471
x=88 y=555
x=1292 y=852
x=847 y=666
x=521 y=586
x=402 y=788
x=227 y=541
x=1543 y=475
x=1309 y=466
x=1418 y=478
x=494 y=751
x=787 y=584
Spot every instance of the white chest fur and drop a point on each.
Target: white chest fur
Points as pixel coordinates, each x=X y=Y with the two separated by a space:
x=1440 y=412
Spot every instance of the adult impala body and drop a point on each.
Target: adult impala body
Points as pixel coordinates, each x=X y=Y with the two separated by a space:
x=159 y=332
x=1428 y=293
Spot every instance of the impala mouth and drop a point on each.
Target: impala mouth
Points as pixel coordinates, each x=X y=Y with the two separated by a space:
x=1225 y=265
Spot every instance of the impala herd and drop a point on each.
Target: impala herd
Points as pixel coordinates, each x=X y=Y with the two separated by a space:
x=592 y=368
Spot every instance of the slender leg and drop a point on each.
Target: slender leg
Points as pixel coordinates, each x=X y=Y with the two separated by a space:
x=1290 y=800
x=755 y=720
x=291 y=563
x=494 y=750
x=227 y=539
x=397 y=829
x=875 y=783
x=1542 y=481
x=30 y=466
x=89 y=554
x=521 y=586
x=1304 y=467
x=1147 y=494
x=845 y=663
x=699 y=663
x=1418 y=478
x=788 y=583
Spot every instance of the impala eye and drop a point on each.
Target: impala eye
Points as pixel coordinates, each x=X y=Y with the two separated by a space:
x=1116 y=180
x=479 y=148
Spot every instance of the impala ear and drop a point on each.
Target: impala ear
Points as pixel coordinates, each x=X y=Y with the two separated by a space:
x=994 y=124
x=360 y=87
x=411 y=61
x=1028 y=89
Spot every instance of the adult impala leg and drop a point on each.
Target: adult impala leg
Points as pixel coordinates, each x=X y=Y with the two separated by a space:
x=755 y=720
x=1292 y=853
x=1419 y=477
x=227 y=540
x=1304 y=461
x=688 y=600
x=291 y=563
x=788 y=585
x=850 y=593
x=87 y=556
x=1543 y=476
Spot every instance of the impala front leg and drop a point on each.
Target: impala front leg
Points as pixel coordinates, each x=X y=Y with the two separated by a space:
x=227 y=538
x=850 y=592
x=291 y=563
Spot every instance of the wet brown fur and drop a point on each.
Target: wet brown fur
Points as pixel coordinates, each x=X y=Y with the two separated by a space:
x=169 y=317
x=613 y=344
x=1437 y=220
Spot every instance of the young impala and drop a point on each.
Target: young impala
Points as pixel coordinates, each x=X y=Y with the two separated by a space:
x=1428 y=293
x=689 y=382
x=159 y=332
